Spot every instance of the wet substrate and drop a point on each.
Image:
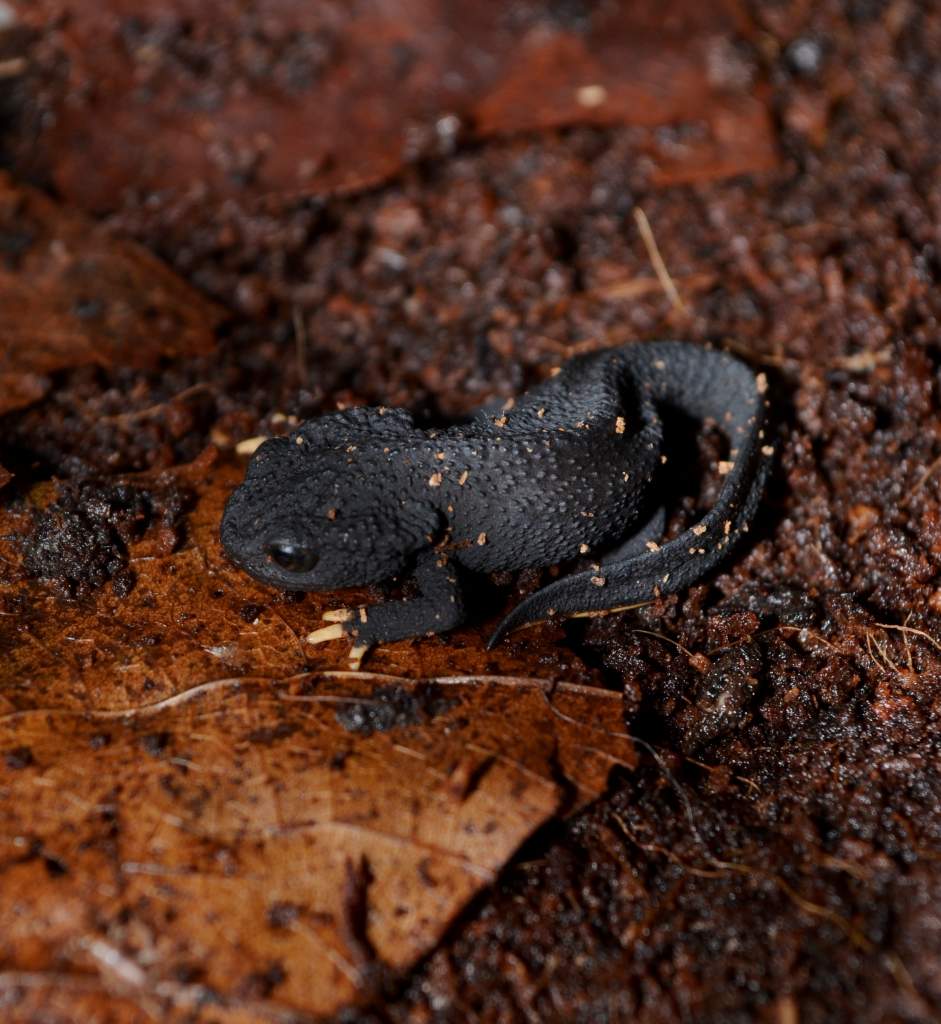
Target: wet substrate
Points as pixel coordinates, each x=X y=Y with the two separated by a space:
x=776 y=854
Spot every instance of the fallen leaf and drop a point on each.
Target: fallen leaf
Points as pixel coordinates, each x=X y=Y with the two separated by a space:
x=278 y=840
x=71 y=295
x=348 y=96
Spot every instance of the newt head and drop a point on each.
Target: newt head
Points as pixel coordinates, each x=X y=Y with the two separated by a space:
x=311 y=517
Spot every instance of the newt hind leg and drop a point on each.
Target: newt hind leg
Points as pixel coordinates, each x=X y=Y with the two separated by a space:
x=639 y=541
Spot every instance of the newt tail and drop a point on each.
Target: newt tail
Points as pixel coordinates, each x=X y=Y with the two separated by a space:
x=706 y=385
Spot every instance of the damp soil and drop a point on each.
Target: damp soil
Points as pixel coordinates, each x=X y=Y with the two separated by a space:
x=775 y=854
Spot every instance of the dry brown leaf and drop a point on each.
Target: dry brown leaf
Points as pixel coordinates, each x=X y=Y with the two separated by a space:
x=72 y=295
x=391 y=83
x=277 y=841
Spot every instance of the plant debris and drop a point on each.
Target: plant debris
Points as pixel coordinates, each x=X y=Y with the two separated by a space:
x=766 y=843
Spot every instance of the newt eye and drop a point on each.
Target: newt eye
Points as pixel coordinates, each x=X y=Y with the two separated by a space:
x=290 y=556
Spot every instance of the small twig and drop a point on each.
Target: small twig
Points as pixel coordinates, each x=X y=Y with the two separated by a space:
x=630 y=288
x=157 y=408
x=659 y=267
x=598 y=613
x=915 y=632
x=903 y=979
x=809 y=633
x=769 y=359
x=882 y=651
x=718 y=867
x=665 y=639
x=786 y=1010
x=717 y=768
x=863 y=362
x=922 y=480
x=13 y=67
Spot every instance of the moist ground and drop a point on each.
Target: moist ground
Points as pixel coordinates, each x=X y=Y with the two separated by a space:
x=775 y=854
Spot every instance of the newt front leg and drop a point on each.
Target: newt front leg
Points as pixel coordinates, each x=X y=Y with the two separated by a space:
x=439 y=606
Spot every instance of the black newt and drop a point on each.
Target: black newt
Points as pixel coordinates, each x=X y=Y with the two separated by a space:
x=567 y=470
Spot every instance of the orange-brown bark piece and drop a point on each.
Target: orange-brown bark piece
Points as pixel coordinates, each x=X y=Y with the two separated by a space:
x=71 y=295
x=314 y=98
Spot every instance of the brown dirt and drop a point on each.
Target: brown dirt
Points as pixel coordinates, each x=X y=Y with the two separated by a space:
x=774 y=855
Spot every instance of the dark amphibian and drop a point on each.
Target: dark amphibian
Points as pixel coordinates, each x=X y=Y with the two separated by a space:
x=567 y=470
